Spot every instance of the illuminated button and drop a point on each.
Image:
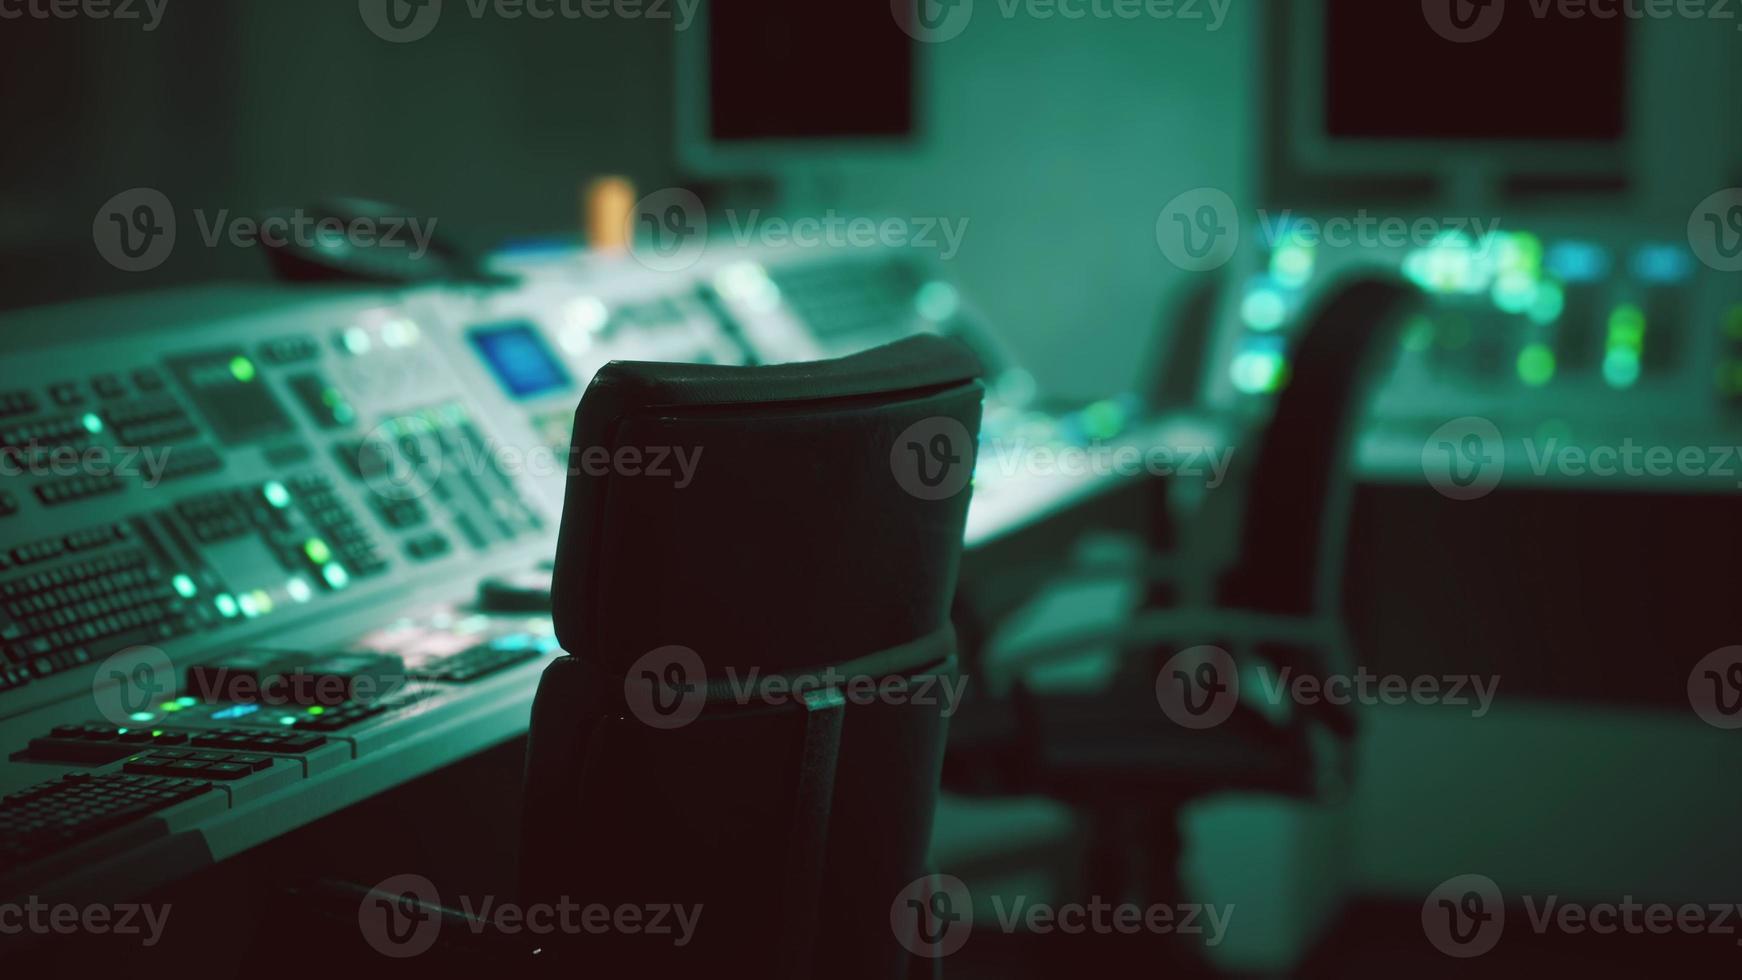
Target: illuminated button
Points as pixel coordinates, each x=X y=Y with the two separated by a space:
x=92 y=423
x=1536 y=365
x=1264 y=309
x=1292 y=266
x=317 y=551
x=226 y=606
x=242 y=369
x=1621 y=368
x=1549 y=303
x=184 y=586
x=336 y=576
x=276 y=495
x=356 y=341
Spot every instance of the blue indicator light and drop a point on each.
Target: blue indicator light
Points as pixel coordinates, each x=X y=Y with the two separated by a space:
x=1575 y=261
x=1662 y=264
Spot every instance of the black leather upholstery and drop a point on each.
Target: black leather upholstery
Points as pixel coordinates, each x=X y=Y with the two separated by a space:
x=1296 y=507
x=792 y=547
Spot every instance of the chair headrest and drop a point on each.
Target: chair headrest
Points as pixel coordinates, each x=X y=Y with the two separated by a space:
x=760 y=515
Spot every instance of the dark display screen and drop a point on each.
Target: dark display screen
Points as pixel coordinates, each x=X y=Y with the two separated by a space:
x=800 y=70
x=519 y=358
x=226 y=387
x=1391 y=74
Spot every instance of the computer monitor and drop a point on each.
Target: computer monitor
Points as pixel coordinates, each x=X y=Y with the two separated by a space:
x=767 y=85
x=1507 y=89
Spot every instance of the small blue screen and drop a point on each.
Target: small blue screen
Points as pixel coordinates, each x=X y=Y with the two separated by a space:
x=520 y=359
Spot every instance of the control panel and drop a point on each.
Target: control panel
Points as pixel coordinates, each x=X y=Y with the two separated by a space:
x=1551 y=322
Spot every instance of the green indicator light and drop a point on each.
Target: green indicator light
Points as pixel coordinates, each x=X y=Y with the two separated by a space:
x=317 y=551
x=317 y=710
x=1528 y=251
x=141 y=716
x=157 y=733
x=1536 y=365
x=242 y=369
x=184 y=586
x=169 y=706
x=250 y=609
x=287 y=721
x=122 y=731
x=299 y=590
x=187 y=702
x=1104 y=420
x=1627 y=328
x=276 y=495
x=93 y=424
x=226 y=606
x=1621 y=368
x=336 y=576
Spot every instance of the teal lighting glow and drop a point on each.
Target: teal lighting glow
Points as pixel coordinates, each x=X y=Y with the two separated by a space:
x=1621 y=368
x=938 y=302
x=1292 y=265
x=184 y=586
x=1548 y=304
x=1514 y=292
x=1264 y=308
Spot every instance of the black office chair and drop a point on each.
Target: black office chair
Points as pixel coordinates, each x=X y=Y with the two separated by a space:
x=803 y=543
x=1113 y=754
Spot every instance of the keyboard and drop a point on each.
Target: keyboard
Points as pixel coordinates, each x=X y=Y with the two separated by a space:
x=52 y=816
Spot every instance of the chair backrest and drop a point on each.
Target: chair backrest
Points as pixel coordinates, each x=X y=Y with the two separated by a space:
x=806 y=524
x=1295 y=516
